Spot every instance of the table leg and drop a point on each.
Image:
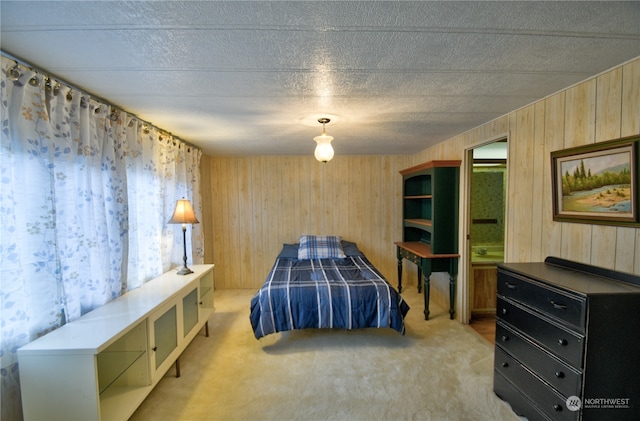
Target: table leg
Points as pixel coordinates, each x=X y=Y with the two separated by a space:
x=453 y=273
x=419 y=279
x=426 y=273
x=452 y=296
x=399 y=272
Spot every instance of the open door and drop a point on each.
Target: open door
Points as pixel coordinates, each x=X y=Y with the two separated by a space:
x=486 y=219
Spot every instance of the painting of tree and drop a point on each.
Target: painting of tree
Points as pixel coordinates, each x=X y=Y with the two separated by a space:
x=596 y=184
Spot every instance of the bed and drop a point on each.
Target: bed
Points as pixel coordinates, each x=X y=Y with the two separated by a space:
x=325 y=282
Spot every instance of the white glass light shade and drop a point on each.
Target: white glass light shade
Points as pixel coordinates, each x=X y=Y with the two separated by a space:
x=324 y=151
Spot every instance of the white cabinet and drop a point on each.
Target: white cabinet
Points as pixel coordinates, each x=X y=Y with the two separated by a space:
x=163 y=338
x=104 y=364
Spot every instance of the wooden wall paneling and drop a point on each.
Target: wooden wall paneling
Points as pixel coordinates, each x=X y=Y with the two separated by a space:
x=206 y=190
x=626 y=250
x=327 y=196
x=576 y=242
x=538 y=176
x=553 y=141
x=295 y=196
x=608 y=105
x=356 y=204
x=630 y=120
x=580 y=114
x=377 y=173
x=271 y=197
x=268 y=187
x=603 y=241
x=221 y=227
x=579 y=130
x=260 y=219
x=524 y=180
x=314 y=192
x=387 y=205
x=365 y=210
x=309 y=183
x=511 y=214
x=341 y=197
x=216 y=211
x=393 y=218
x=328 y=177
x=232 y=252
x=255 y=219
x=608 y=118
x=245 y=227
x=498 y=126
x=219 y=212
x=273 y=185
x=389 y=200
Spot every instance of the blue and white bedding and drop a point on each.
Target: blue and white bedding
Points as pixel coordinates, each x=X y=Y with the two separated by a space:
x=340 y=292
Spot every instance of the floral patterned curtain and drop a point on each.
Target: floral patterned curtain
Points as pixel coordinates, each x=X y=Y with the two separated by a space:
x=85 y=195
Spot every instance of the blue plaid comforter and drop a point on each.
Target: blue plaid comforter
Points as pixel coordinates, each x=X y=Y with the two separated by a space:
x=346 y=293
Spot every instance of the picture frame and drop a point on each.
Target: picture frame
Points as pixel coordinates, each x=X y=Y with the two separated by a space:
x=597 y=183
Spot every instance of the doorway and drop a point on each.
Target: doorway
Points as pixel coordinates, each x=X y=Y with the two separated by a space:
x=486 y=218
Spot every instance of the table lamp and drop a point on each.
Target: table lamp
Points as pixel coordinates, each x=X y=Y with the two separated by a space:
x=183 y=214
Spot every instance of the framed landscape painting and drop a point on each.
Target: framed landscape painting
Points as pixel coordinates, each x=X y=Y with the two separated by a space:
x=596 y=183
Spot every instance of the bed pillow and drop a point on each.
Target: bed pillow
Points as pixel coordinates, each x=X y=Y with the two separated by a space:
x=351 y=249
x=320 y=247
x=289 y=251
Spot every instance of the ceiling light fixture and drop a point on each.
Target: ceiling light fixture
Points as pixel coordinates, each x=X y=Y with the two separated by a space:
x=324 y=151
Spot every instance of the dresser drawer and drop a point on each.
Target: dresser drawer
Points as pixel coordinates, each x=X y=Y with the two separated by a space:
x=548 y=400
x=560 y=341
x=566 y=308
x=520 y=404
x=561 y=376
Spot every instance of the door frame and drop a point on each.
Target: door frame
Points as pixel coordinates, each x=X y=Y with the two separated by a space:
x=465 y=233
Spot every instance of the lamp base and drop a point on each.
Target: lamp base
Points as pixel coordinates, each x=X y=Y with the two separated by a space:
x=184 y=271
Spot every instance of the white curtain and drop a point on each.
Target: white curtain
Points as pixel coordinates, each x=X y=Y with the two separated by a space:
x=85 y=195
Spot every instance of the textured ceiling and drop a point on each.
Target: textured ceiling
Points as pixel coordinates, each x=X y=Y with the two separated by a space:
x=252 y=78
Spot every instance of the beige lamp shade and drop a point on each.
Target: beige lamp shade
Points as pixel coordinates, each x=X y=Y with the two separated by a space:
x=183 y=214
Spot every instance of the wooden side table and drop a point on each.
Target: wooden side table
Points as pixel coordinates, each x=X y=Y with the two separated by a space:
x=427 y=262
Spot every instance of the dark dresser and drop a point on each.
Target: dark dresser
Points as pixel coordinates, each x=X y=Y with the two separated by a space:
x=568 y=341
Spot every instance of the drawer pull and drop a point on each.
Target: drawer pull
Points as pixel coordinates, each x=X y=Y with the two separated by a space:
x=504 y=311
x=559 y=374
x=505 y=338
x=562 y=342
x=511 y=286
x=505 y=364
x=558 y=306
x=557 y=408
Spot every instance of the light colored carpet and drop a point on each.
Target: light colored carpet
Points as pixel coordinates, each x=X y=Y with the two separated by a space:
x=440 y=370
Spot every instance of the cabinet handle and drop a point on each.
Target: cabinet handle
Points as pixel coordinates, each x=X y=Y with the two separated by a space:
x=155 y=348
x=558 y=306
x=557 y=408
x=562 y=342
x=505 y=364
x=510 y=286
x=200 y=303
x=505 y=338
x=559 y=374
x=504 y=311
